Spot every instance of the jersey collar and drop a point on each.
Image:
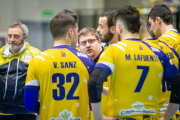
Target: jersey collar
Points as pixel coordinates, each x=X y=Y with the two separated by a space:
x=134 y=39
x=176 y=31
x=61 y=46
x=154 y=38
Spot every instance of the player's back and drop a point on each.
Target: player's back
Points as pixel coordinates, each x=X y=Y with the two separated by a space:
x=136 y=78
x=165 y=90
x=172 y=38
x=168 y=50
x=63 y=83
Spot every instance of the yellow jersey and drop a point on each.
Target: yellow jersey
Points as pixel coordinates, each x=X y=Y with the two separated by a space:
x=62 y=73
x=165 y=90
x=137 y=70
x=172 y=38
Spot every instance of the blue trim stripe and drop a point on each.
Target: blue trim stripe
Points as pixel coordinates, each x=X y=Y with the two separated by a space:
x=174 y=51
x=101 y=65
x=134 y=40
x=29 y=87
x=62 y=46
x=174 y=31
x=169 y=70
x=152 y=38
x=87 y=61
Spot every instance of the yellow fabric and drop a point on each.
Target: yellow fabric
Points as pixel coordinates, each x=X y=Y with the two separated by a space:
x=29 y=50
x=56 y=67
x=123 y=100
x=173 y=39
x=164 y=92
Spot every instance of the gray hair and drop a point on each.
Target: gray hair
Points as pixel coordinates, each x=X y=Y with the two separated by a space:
x=22 y=26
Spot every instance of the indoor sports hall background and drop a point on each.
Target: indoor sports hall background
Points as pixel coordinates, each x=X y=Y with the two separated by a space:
x=36 y=14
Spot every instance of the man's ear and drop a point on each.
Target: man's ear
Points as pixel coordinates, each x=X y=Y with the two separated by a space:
x=25 y=38
x=70 y=32
x=113 y=29
x=158 y=20
x=119 y=29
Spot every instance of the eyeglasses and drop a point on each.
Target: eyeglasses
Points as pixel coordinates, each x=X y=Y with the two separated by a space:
x=90 y=41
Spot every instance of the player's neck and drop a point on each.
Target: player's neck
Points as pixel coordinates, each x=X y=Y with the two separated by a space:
x=114 y=39
x=61 y=42
x=145 y=36
x=166 y=28
x=129 y=36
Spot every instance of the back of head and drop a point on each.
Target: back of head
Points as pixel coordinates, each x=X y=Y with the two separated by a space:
x=65 y=11
x=162 y=11
x=129 y=17
x=109 y=14
x=21 y=26
x=88 y=30
x=60 y=24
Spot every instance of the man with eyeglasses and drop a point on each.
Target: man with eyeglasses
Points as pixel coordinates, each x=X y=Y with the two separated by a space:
x=90 y=44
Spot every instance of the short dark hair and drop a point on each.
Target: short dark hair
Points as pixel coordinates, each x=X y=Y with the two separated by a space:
x=66 y=11
x=162 y=11
x=130 y=17
x=60 y=24
x=109 y=14
x=88 y=30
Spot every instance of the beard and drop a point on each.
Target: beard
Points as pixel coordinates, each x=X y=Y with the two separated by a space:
x=13 y=45
x=107 y=37
x=119 y=37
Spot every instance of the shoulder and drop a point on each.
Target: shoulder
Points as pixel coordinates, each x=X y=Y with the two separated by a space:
x=32 y=49
x=2 y=49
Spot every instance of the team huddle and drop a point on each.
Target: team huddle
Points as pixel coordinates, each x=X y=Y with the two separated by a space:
x=132 y=77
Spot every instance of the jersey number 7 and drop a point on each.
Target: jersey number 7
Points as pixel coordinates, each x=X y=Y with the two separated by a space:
x=62 y=89
x=143 y=77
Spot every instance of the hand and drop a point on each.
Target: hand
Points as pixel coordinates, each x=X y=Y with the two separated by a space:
x=109 y=118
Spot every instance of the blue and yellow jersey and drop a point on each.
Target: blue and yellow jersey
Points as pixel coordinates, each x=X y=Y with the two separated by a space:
x=165 y=90
x=77 y=48
x=104 y=45
x=62 y=73
x=172 y=38
x=137 y=70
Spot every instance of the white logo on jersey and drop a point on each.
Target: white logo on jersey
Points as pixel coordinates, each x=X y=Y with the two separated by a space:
x=155 y=49
x=162 y=110
x=66 y=115
x=27 y=57
x=102 y=55
x=137 y=107
x=171 y=62
x=81 y=55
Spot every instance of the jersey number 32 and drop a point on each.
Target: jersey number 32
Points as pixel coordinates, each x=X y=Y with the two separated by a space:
x=61 y=87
